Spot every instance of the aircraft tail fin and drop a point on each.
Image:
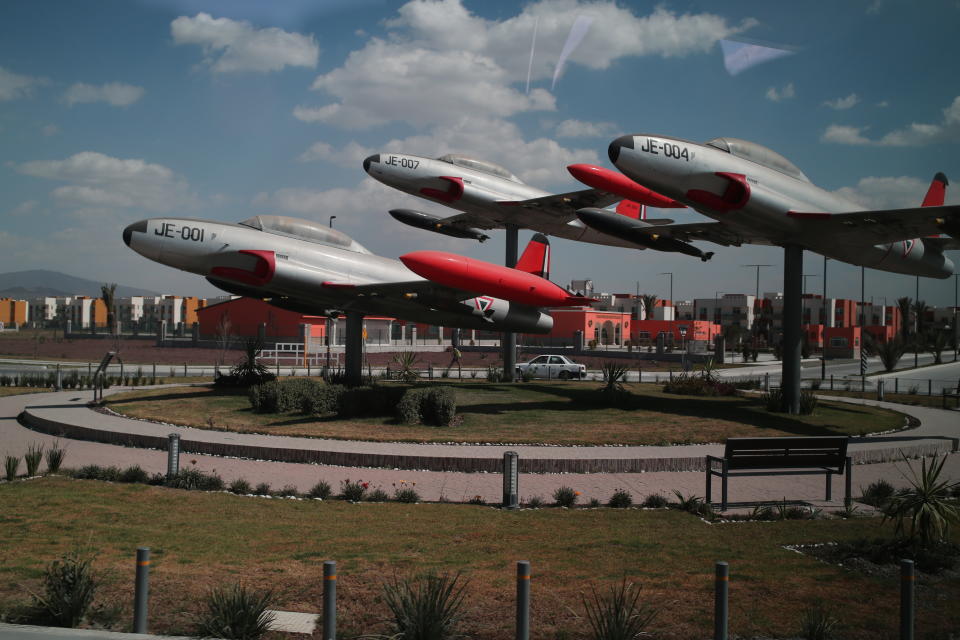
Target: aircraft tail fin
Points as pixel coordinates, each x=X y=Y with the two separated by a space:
x=936 y=192
x=536 y=257
x=631 y=209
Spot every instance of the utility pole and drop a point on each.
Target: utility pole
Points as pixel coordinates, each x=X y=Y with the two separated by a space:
x=916 y=327
x=824 y=319
x=863 y=363
x=670 y=273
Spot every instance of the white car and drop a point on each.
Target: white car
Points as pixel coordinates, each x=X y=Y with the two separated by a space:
x=552 y=368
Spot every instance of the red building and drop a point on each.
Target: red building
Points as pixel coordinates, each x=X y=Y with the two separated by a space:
x=679 y=331
x=245 y=315
x=605 y=327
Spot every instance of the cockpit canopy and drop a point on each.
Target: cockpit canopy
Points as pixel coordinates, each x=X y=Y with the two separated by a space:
x=479 y=165
x=759 y=154
x=304 y=230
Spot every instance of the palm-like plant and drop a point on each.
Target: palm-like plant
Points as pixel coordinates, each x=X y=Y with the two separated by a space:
x=426 y=608
x=108 y=295
x=890 y=352
x=904 y=304
x=937 y=341
x=926 y=505
x=920 y=309
x=619 y=615
x=613 y=373
x=649 y=304
x=407 y=361
x=249 y=371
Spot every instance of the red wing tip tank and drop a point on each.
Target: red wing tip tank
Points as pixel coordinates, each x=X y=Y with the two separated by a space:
x=475 y=275
x=615 y=182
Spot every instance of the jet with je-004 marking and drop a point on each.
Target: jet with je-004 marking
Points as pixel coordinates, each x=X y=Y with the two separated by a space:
x=757 y=196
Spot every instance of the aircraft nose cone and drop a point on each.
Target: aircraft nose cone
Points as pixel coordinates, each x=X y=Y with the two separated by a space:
x=368 y=160
x=614 y=149
x=136 y=226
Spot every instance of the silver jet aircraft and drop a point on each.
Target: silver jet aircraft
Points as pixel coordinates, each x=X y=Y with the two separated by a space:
x=757 y=196
x=310 y=268
x=491 y=197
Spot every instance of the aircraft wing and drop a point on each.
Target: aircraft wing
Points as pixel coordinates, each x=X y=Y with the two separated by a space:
x=563 y=206
x=881 y=227
x=411 y=288
x=715 y=232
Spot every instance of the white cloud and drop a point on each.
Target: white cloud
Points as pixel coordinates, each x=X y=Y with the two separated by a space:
x=915 y=135
x=14 y=86
x=899 y=192
x=778 y=95
x=24 y=208
x=441 y=62
x=843 y=103
x=100 y=180
x=843 y=134
x=116 y=94
x=582 y=129
x=231 y=45
x=351 y=156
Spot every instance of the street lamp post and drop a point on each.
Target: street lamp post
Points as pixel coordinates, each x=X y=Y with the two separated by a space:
x=332 y=218
x=916 y=327
x=670 y=273
x=955 y=334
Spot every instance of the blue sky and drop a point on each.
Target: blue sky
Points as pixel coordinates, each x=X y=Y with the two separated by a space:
x=113 y=111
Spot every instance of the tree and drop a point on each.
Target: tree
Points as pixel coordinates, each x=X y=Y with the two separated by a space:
x=904 y=305
x=649 y=304
x=937 y=341
x=920 y=309
x=108 y=295
x=224 y=335
x=890 y=352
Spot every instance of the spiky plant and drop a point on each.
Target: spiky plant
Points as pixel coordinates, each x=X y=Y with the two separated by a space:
x=407 y=361
x=613 y=374
x=904 y=305
x=11 y=464
x=890 y=352
x=32 y=457
x=937 y=341
x=236 y=612
x=925 y=506
x=249 y=371
x=427 y=607
x=619 y=614
x=68 y=589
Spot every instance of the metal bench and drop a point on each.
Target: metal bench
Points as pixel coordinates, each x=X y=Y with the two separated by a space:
x=781 y=456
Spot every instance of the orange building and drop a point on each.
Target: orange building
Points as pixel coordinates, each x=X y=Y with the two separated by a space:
x=605 y=327
x=13 y=313
x=679 y=331
x=191 y=305
x=841 y=342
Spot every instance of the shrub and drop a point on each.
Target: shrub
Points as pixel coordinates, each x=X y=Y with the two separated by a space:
x=565 y=496
x=406 y=362
x=353 y=491
x=262 y=489
x=819 y=623
x=620 y=499
x=265 y=398
x=409 y=409
x=55 y=456
x=11 y=464
x=426 y=608
x=655 y=501
x=406 y=494
x=96 y=472
x=477 y=499
x=773 y=400
x=535 y=502
x=440 y=406
x=926 y=505
x=68 y=589
x=32 y=457
x=134 y=474
x=494 y=374
x=378 y=495
x=878 y=493
x=369 y=401
x=619 y=615
x=320 y=490
x=236 y=612
x=240 y=487
x=288 y=491
x=324 y=399
x=194 y=479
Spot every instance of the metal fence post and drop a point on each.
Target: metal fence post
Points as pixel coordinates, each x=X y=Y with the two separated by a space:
x=880 y=389
x=906 y=599
x=173 y=454
x=848 y=483
x=329 y=600
x=831 y=382
x=141 y=591
x=896 y=385
x=766 y=382
x=511 y=480
x=929 y=387
x=523 y=600
x=721 y=612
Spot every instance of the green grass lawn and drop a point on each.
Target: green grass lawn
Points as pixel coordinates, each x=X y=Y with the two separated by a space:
x=15 y=391
x=200 y=540
x=540 y=412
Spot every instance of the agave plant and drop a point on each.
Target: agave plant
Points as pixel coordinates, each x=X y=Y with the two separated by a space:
x=890 y=352
x=618 y=615
x=613 y=373
x=926 y=505
x=427 y=607
x=236 y=612
x=407 y=361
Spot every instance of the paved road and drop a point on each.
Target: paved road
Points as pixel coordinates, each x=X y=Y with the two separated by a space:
x=25 y=632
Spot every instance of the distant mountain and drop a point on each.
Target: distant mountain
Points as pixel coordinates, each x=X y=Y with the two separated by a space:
x=39 y=282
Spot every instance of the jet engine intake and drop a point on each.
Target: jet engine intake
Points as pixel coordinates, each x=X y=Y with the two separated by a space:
x=735 y=195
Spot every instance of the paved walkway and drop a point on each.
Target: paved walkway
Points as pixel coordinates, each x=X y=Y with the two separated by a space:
x=936 y=432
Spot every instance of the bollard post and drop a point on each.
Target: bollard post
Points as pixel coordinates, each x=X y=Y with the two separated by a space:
x=929 y=387
x=831 y=382
x=848 y=483
x=721 y=613
x=153 y=376
x=766 y=382
x=896 y=385
x=184 y=369
x=173 y=455
x=141 y=591
x=59 y=379
x=906 y=599
x=329 y=600
x=879 y=389
x=523 y=600
x=511 y=480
